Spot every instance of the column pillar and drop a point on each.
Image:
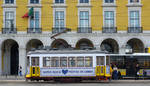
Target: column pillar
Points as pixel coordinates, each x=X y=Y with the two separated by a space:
x=122 y=49
x=22 y=59
x=97 y=47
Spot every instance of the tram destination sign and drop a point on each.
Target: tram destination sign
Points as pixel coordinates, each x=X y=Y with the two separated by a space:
x=67 y=72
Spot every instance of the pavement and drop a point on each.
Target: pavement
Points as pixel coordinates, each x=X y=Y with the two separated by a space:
x=22 y=79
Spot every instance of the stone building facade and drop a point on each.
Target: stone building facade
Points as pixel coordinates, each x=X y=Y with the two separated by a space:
x=116 y=26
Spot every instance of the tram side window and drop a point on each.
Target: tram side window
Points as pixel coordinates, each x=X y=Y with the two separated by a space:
x=80 y=61
x=63 y=61
x=88 y=62
x=46 y=61
x=107 y=60
x=71 y=61
x=35 y=61
x=55 y=62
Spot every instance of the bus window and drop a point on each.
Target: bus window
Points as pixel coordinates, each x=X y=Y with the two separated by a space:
x=46 y=61
x=88 y=61
x=63 y=61
x=35 y=61
x=100 y=60
x=80 y=61
x=71 y=62
x=55 y=62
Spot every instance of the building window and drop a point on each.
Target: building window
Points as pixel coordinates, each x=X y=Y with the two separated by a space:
x=109 y=19
x=59 y=19
x=84 y=1
x=34 y=1
x=134 y=1
x=109 y=1
x=9 y=19
x=34 y=22
x=59 y=1
x=9 y=1
x=134 y=19
x=84 y=19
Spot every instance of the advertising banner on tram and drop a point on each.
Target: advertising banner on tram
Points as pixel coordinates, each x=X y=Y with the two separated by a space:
x=67 y=72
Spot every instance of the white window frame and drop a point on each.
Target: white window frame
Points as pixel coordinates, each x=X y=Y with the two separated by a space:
x=59 y=9
x=39 y=10
x=33 y=4
x=7 y=10
x=12 y=3
x=109 y=19
x=109 y=9
x=134 y=3
x=84 y=9
x=134 y=9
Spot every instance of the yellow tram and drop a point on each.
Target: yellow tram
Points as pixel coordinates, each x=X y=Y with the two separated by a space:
x=66 y=65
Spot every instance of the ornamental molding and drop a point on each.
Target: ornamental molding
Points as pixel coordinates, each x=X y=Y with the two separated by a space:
x=9 y=6
x=59 y=6
x=109 y=5
x=134 y=5
x=34 y=5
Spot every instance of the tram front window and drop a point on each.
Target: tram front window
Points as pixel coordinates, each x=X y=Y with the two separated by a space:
x=35 y=61
x=100 y=60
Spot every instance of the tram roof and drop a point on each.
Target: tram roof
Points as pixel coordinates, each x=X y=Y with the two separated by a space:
x=134 y=54
x=66 y=52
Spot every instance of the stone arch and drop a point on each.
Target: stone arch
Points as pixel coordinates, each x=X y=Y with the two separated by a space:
x=136 y=45
x=33 y=43
x=10 y=57
x=84 y=43
x=60 y=44
x=110 y=45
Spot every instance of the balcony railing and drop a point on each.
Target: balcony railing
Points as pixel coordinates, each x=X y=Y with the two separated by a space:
x=84 y=30
x=34 y=30
x=135 y=29
x=9 y=30
x=109 y=30
x=58 y=29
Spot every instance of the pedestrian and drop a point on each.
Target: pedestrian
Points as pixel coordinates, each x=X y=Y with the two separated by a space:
x=20 y=71
x=115 y=73
x=137 y=68
x=119 y=75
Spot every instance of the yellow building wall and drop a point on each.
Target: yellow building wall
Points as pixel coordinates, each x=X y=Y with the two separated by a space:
x=145 y=15
x=46 y=15
x=72 y=14
x=96 y=15
x=21 y=23
x=1 y=15
x=122 y=15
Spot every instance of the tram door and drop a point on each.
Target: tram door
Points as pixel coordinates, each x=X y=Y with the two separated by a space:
x=100 y=61
x=35 y=66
